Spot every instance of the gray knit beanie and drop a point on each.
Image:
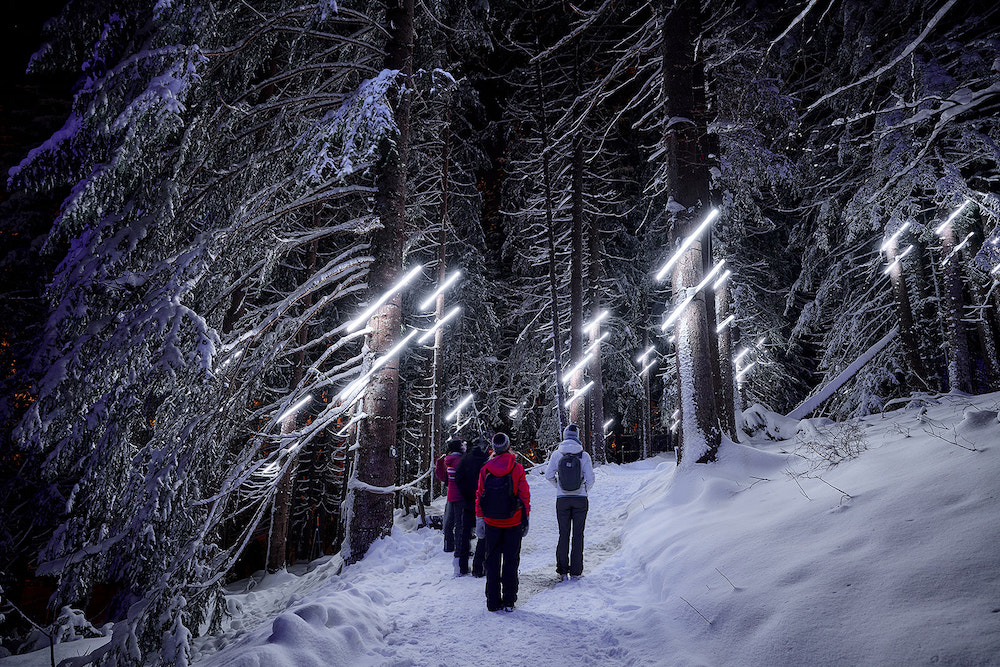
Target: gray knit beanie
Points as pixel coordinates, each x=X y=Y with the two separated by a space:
x=572 y=432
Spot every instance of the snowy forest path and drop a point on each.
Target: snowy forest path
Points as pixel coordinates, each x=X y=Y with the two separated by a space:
x=554 y=623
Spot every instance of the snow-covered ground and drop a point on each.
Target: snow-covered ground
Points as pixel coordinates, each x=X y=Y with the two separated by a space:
x=769 y=557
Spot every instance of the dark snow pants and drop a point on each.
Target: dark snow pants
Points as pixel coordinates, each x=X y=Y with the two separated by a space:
x=503 y=555
x=452 y=524
x=463 y=549
x=571 y=514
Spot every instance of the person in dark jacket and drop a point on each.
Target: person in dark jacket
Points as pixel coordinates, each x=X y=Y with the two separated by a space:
x=467 y=480
x=502 y=533
x=444 y=470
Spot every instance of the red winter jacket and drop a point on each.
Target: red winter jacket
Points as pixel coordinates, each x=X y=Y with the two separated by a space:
x=499 y=466
x=445 y=472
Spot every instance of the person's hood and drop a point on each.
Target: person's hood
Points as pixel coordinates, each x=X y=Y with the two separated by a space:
x=570 y=447
x=501 y=464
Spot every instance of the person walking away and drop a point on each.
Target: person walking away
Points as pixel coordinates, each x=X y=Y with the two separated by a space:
x=571 y=471
x=444 y=470
x=503 y=503
x=467 y=480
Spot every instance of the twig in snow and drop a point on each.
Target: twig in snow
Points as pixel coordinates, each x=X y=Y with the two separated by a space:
x=696 y=610
x=727 y=579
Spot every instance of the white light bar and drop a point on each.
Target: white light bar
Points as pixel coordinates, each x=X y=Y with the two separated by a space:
x=691 y=295
x=957 y=248
x=458 y=408
x=597 y=320
x=363 y=317
x=895 y=235
x=429 y=301
x=725 y=323
x=687 y=243
x=642 y=357
x=647 y=367
x=579 y=392
x=897 y=260
x=440 y=323
x=593 y=346
x=576 y=369
x=944 y=225
x=295 y=408
x=608 y=423
x=357 y=384
x=722 y=279
x=744 y=371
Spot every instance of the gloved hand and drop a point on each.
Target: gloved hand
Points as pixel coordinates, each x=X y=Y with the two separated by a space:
x=480 y=527
x=524 y=527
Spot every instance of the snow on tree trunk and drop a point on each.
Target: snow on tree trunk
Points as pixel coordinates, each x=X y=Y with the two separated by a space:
x=956 y=338
x=727 y=379
x=597 y=392
x=687 y=180
x=371 y=497
x=915 y=373
x=576 y=335
x=550 y=236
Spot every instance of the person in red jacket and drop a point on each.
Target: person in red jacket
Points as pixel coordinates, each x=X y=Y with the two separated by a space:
x=444 y=470
x=503 y=502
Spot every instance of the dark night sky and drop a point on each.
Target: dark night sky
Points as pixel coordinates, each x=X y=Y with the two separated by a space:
x=28 y=113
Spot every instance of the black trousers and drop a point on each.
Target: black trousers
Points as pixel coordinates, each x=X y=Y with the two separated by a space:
x=571 y=514
x=503 y=555
x=463 y=547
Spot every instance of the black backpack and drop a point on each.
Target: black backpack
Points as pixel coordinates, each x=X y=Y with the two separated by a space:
x=498 y=500
x=467 y=472
x=570 y=471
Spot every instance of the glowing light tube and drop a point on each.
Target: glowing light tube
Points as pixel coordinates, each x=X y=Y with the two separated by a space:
x=576 y=369
x=295 y=408
x=944 y=225
x=957 y=248
x=686 y=244
x=995 y=269
x=458 y=408
x=722 y=280
x=363 y=317
x=429 y=301
x=642 y=357
x=608 y=423
x=597 y=320
x=744 y=371
x=357 y=384
x=724 y=323
x=895 y=235
x=896 y=261
x=593 y=346
x=579 y=392
x=691 y=295
x=646 y=368
x=440 y=323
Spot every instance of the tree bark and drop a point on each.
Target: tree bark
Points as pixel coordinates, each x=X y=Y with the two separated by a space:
x=688 y=184
x=371 y=497
x=957 y=341
x=727 y=374
x=576 y=335
x=915 y=375
x=597 y=391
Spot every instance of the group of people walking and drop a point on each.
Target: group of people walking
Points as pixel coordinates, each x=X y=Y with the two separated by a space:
x=488 y=492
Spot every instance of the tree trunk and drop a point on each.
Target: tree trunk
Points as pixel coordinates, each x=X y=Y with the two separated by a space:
x=597 y=391
x=437 y=425
x=916 y=375
x=956 y=340
x=277 y=537
x=576 y=292
x=687 y=181
x=727 y=374
x=550 y=228
x=374 y=473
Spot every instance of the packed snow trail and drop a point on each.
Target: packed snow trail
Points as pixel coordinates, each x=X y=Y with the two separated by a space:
x=403 y=605
x=554 y=623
